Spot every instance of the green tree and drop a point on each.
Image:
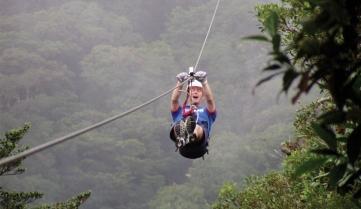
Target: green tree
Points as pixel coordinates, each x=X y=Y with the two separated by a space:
x=9 y=145
x=324 y=50
x=283 y=189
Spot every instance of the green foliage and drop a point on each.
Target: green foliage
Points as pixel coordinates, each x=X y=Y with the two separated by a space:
x=308 y=176
x=324 y=50
x=277 y=191
x=8 y=199
x=10 y=146
x=281 y=190
x=72 y=203
x=271 y=191
x=17 y=199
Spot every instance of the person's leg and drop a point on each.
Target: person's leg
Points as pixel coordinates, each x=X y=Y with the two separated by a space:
x=198 y=133
x=195 y=131
x=172 y=135
x=178 y=134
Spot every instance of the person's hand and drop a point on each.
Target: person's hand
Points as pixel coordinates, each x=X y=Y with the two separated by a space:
x=193 y=107
x=201 y=76
x=181 y=77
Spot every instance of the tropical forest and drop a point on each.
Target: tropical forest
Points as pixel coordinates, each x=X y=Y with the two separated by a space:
x=286 y=81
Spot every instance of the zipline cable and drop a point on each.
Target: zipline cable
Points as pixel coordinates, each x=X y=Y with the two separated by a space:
x=59 y=140
x=205 y=39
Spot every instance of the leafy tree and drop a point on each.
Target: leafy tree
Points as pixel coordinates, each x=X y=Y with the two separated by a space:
x=9 y=145
x=284 y=189
x=277 y=191
x=323 y=50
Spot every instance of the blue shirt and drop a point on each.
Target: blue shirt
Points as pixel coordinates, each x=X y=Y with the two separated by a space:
x=204 y=117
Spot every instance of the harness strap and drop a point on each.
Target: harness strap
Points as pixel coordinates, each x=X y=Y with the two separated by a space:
x=190 y=111
x=184 y=112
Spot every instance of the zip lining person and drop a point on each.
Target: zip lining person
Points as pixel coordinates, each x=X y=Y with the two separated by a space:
x=193 y=121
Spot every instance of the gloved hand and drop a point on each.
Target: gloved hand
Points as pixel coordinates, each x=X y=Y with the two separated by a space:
x=181 y=77
x=201 y=76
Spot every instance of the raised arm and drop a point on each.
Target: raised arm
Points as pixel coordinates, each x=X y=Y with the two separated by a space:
x=211 y=105
x=202 y=77
x=174 y=104
x=181 y=77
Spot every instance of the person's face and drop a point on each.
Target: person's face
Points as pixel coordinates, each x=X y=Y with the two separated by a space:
x=196 y=94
